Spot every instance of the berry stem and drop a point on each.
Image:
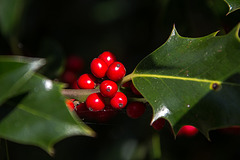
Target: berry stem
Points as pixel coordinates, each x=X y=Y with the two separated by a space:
x=79 y=94
x=126 y=79
x=134 y=99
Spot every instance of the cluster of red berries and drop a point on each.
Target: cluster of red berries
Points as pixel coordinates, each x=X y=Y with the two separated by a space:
x=107 y=71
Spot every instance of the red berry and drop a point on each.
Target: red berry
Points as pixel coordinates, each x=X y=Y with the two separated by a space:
x=106 y=114
x=116 y=71
x=158 y=124
x=98 y=68
x=127 y=84
x=134 y=90
x=119 y=101
x=188 y=130
x=70 y=104
x=81 y=109
x=86 y=81
x=75 y=85
x=69 y=77
x=83 y=112
x=74 y=63
x=107 y=57
x=95 y=102
x=108 y=88
x=135 y=109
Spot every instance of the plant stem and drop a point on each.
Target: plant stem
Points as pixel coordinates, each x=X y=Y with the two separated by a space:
x=79 y=94
x=134 y=99
x=71 y=93
x=126 y=79
x=82 y=94
x=156 y=146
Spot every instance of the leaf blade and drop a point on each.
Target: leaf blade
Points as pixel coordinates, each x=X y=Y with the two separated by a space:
x=44 y=123
x=233 y=5
x=15 y=71
x=179 y=74
x=33 y=110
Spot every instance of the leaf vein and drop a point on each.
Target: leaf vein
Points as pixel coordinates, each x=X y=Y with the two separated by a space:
x=177 y=78
x=33 y=112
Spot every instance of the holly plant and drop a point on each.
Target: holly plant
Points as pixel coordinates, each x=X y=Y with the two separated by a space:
x=191 y=85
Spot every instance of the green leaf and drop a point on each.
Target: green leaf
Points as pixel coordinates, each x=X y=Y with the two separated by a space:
x=36 y=113
x=10 y=15
x=233 y=5
x=177 y=78
x=14 y=73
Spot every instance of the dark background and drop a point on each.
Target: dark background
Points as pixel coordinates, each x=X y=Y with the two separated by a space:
x=131 y=29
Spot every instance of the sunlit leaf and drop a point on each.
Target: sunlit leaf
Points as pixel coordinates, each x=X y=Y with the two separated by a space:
x=188 y=81
x=233 y=5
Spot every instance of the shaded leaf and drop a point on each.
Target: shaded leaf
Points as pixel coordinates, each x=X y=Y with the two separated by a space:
x=15 y=72
x=177 y=80
x=10 y=15
x=37 y=114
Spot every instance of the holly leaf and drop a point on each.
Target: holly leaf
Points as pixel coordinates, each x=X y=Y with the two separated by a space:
x=15 y=72
x=189 y=81
x=11 y=12
x=233 y=5
x=36 y=114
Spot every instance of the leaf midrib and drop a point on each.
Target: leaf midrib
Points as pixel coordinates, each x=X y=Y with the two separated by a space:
x=134 y=75
x=34 y=112
x=177 y=78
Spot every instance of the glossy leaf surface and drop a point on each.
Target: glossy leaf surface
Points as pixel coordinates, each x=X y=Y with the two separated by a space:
x=14 y=73
x=233 y=5
x=187 y=81
x=36 y=113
